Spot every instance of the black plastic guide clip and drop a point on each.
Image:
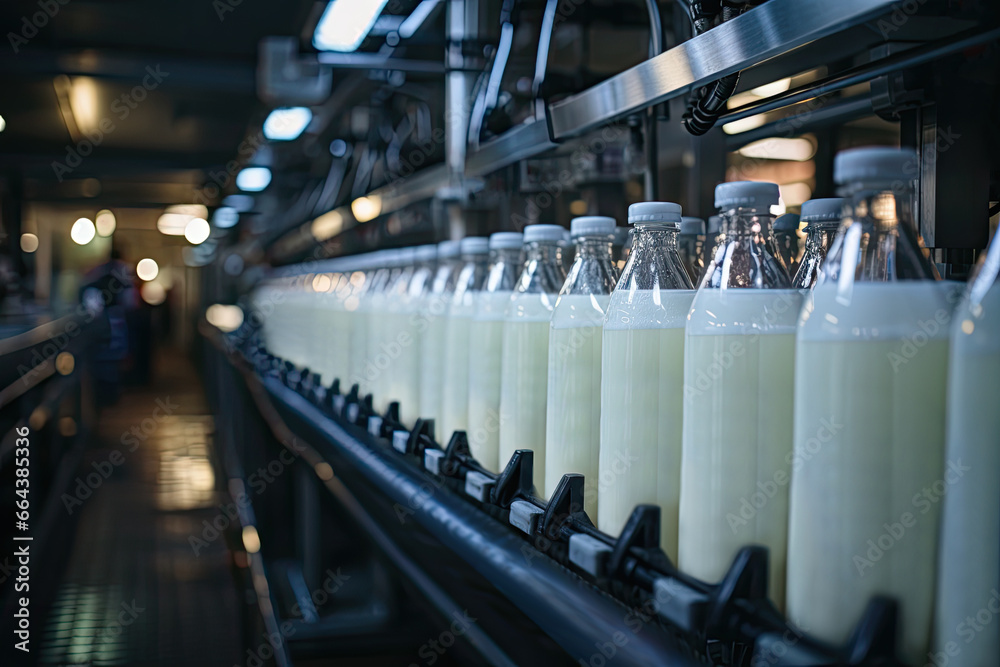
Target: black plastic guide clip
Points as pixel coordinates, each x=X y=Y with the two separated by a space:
x=456 y=453
x=565 y=504
x=642 y=532
x=420 y=438
x=515 y=480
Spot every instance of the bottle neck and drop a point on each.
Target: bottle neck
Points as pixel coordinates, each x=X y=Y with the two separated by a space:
x=544 y=251
x=653 y=237
x=653 y=261
x=593 y=247
x=877 y=240
x=746 y=222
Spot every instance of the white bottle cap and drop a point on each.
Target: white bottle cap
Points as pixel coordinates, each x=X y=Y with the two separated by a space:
x=449 y=249
x=592 y=225
x=875 y=163
x=475 y=245
x=692 y=226
x=506 y=240
x=822 y=210
x=654 y=211
x=746 y=194
x=534 y=233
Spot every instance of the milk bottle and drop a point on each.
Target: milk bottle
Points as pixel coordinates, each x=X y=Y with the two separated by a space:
x=573 y=406
x=525 y=367
x=641 y=376
x=432 y=319
x=486 y=347
x=739 y=354
x=455 y=389
x=870 y=376
x=406 y=331
x=968 y=579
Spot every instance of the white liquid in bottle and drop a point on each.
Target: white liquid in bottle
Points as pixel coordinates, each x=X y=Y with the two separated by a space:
x=455 y=388
x=738 y=385
x=642 y=392
x=968 y=576
x=869 y=433
x=485 y=356
x=524 y=380
x=573 y=422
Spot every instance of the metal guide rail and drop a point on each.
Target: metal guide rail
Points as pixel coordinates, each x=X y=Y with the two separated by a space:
x=538 y=553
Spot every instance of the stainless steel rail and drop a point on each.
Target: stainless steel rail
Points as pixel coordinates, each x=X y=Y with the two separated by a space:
x=768 y=30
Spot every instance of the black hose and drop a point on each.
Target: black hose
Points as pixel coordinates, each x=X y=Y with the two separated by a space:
x=705 y=108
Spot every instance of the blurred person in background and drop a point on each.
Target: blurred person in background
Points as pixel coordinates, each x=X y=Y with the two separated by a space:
x=110 y=288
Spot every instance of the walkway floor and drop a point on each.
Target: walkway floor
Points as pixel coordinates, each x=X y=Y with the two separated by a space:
x=134 y=592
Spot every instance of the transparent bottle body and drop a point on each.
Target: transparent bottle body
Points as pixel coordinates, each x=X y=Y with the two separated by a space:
x=870 y=383
x=462 y=307
x=525 y=355
x=485 y=356
x=573 y=404
x=433 y=344
x=739 y=353
x=968 y=577
x=641 y=385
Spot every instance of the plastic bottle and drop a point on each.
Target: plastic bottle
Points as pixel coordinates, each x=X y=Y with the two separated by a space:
x=573 y=416
x=691 y=246
x=407 y=327
x=382 y=348
x=432 y=319
x=641 y=376
x=739 y=356
x=525 y=368
x=376 y=276
x=968 y=576
x=455 y=390
x=870 y=375
x=486 y=347
x=822 y=217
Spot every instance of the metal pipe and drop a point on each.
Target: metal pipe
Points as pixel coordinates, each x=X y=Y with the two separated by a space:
x=651 y=181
